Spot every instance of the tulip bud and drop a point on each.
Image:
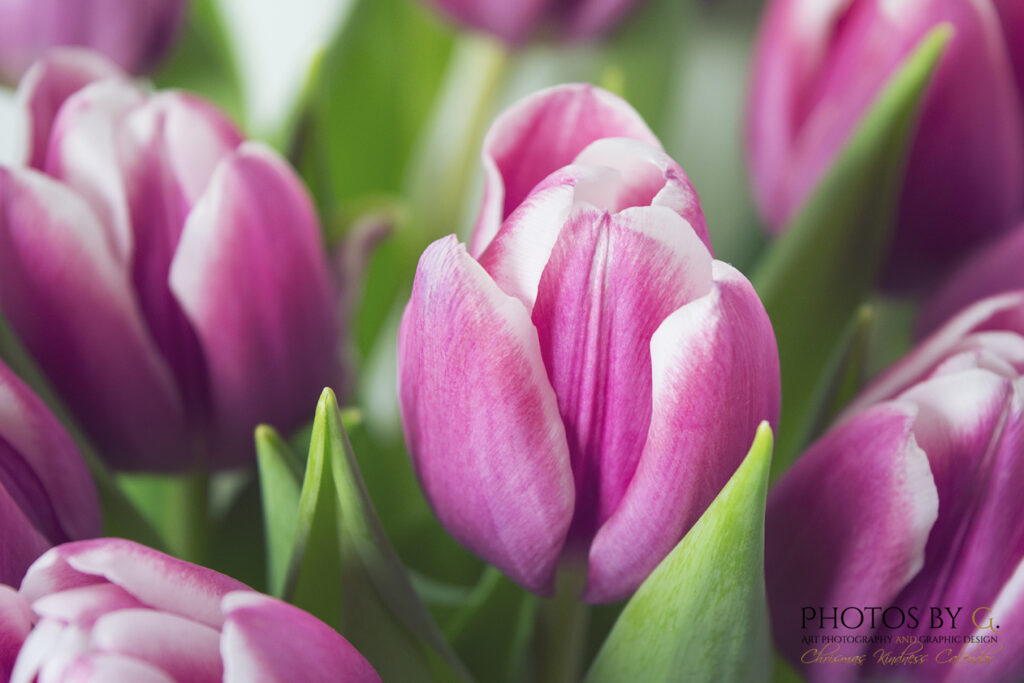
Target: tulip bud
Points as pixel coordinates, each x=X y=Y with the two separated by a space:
x=135 y=34
x=583 y=387
x=908 y=513
x=46 y=493
x=110 y=609
x=515 y=22
x=820 y=64
x=169 y=277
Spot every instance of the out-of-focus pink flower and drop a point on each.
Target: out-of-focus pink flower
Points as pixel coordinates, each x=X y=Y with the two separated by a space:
x=46 y=493
x=113 y=610
x=169 y=277
x=818 y=66
x=135 y=34
x=584 y=385
x=514 y=22
x=994 y=270
x=913 y=502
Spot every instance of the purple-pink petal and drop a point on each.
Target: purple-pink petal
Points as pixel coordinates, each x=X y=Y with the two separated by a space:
x=15 y=625
x=510 y=21
x=541 y=134
x=67 y=295
x=610 y=282
x=251 y=275
x=269 y=641
x=847 y=525
x=715 y=375
x=498 y=477
x=101 y=667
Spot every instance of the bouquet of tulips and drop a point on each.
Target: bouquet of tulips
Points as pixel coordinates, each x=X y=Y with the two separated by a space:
x=512 y=341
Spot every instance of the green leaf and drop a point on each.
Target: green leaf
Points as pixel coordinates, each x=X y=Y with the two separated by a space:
x=825 y=265
x=203 y=60
x=701 y=615
x=344 y=570
x=280 y=481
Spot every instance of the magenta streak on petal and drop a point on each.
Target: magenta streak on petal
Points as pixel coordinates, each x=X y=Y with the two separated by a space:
x=28 y=493
x=610 y=282
x=22 y=542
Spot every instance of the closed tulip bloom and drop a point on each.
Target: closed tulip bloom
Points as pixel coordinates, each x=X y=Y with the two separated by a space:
x=514 y=22
x=582 y=388
x=169 y=277
x=46 y=493
x=817 y=68
x=135 y=34
x=912 y=503
x=113 y=610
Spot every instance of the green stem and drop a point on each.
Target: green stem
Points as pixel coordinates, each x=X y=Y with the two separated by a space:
x=188 y=518
x=562 y=631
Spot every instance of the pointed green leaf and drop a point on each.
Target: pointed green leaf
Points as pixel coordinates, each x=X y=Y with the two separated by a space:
x=344 y=570
x=701 y=615
x=824 y=266
x=280 y=480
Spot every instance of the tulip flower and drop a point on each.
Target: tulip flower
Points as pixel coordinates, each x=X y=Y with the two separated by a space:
x=135 y=34
x=113 y=610
x=818 y=67
x=581 y=389
x=909 y=513
x=46 y=493
x=993 y=270
x=169 y=277
x=514 y=22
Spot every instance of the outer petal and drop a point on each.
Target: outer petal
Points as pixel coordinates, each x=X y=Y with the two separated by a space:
x=41 y=467
x=540 y=134
x=819 y=554
x=481 y=418
x=155 y=579
x=68 y=298
x=133 y=33
x=1011 y=18
x=716 y=377
x=510 y=21
x=1007 y=624
x=15 y=625
x=22 y=541
x=101 y=668
x=269 y=641
x=48 y=84
x=251 y=275
x=183 y=649
x=610 y=282
x=994 y=270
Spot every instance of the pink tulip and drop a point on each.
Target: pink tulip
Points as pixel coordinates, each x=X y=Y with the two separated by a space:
x=515 y=22
x=46 y=493
x=818 y=66
x=133 y=33
x=583 y=386
x=113 y=610
x=993 y=270
x=912 y=502
x=169 y=277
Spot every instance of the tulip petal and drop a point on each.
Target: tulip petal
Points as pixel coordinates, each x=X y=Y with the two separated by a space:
x=15 y=625
x=100 y=667
x=1003 y=619
x=818 y=554
x=269 y=641
x=594 y=17
x=41 y=468
x=1011 y=18
x=994 y=270
x=540 y=134
x=251 y=275
x=68 y=298
x=22 y=542
x=510 y=21
x=971 y=425
x=182 y=648
x=715 y=373
x=610 y=282
x=481 y=418
x=48 y=84
x=155 y=579
x=85 y=604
